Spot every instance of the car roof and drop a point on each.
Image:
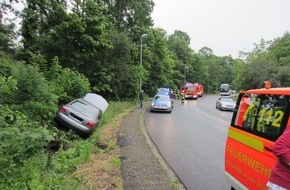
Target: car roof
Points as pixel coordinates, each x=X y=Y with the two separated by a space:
x=273 y=91
x=163 y=92
x=163 y=89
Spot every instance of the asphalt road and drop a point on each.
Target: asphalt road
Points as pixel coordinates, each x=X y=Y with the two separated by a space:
x=192 y=139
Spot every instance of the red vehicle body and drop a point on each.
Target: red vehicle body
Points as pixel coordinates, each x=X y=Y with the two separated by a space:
x=192 y=90
x=261 y=116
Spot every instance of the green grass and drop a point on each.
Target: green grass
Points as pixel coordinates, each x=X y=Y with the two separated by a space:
x=114 y=109
x=53 y=170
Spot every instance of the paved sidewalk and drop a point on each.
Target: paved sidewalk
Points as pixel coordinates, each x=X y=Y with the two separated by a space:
x=142 y=166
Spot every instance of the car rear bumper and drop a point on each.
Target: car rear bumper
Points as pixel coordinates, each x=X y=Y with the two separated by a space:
x=161 y=109
x=74 y=124
x=228 y=108
x=225 y=93
x=191 y=95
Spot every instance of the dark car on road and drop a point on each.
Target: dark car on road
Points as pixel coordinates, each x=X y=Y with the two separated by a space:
x=83 y=114
x=225 y=103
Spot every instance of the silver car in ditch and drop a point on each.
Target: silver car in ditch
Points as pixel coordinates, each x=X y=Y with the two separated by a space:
x=83 y=114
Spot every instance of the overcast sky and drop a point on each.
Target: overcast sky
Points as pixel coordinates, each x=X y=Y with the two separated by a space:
x=225 y=26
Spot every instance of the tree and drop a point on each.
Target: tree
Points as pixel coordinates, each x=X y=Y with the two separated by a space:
x=158 y=62
x=131 y=16
x=7 y=35
x=205 y=51
x=121 y=81
x=279 y=52
x=266 y=62
x=178 y=44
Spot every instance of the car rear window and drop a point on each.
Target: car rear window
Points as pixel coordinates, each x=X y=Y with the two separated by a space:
x=227 y=100
x=263 y=115
x=85 y=108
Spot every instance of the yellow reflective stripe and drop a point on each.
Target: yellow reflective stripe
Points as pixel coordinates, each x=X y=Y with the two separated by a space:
x=246 y=140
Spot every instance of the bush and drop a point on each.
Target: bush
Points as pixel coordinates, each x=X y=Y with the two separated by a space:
x=27 y=108
x=20 y=141
x=67 y=84
x=32 y=86
x=8 y=89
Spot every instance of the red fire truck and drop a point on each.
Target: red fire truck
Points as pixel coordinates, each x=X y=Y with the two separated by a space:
x=192 y=90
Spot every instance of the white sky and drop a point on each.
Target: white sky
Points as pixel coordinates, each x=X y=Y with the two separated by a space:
x=225 y=26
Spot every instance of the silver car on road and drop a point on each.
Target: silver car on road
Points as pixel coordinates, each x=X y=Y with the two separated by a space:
x=225 y=103
x=162 y=103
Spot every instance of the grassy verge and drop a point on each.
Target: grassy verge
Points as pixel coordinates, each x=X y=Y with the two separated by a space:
x=102 y=169
x=69 y=162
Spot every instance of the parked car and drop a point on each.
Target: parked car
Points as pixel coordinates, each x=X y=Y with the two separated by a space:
x=83 y=114
x=225 y=103
x=161 y=103
x=165 y=91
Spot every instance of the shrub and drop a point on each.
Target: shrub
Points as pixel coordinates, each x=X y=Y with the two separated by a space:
x=67 y=84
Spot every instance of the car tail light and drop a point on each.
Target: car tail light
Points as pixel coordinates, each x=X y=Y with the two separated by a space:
x=91 y=124
x=63 y=109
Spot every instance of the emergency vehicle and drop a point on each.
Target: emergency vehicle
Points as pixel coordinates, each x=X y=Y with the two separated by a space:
x=192 y=90
x=260 y=117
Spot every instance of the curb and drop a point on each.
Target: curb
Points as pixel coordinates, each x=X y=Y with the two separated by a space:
x=173 y=177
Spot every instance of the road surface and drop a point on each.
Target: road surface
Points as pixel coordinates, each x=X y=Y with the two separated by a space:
x=192 y=139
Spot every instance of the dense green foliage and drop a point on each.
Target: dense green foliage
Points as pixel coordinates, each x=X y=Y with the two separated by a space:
x=63 y=49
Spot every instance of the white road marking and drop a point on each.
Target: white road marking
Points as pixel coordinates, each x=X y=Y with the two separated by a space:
x=209 y=115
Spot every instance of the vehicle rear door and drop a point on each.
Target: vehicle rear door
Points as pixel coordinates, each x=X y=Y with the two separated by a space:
x=257 y=123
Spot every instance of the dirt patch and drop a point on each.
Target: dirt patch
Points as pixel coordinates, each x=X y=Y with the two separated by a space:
x=103 y=171
x=126 y=159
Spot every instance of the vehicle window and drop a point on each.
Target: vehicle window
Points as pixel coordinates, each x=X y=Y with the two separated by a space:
x=163 y=91
x=225 y=87
x=263 y=115
x=163 y=98
x=85 y=109
x=191 y=88
x=227 y=99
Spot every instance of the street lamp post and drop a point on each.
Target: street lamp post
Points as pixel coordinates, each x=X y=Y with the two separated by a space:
x=143 y=35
